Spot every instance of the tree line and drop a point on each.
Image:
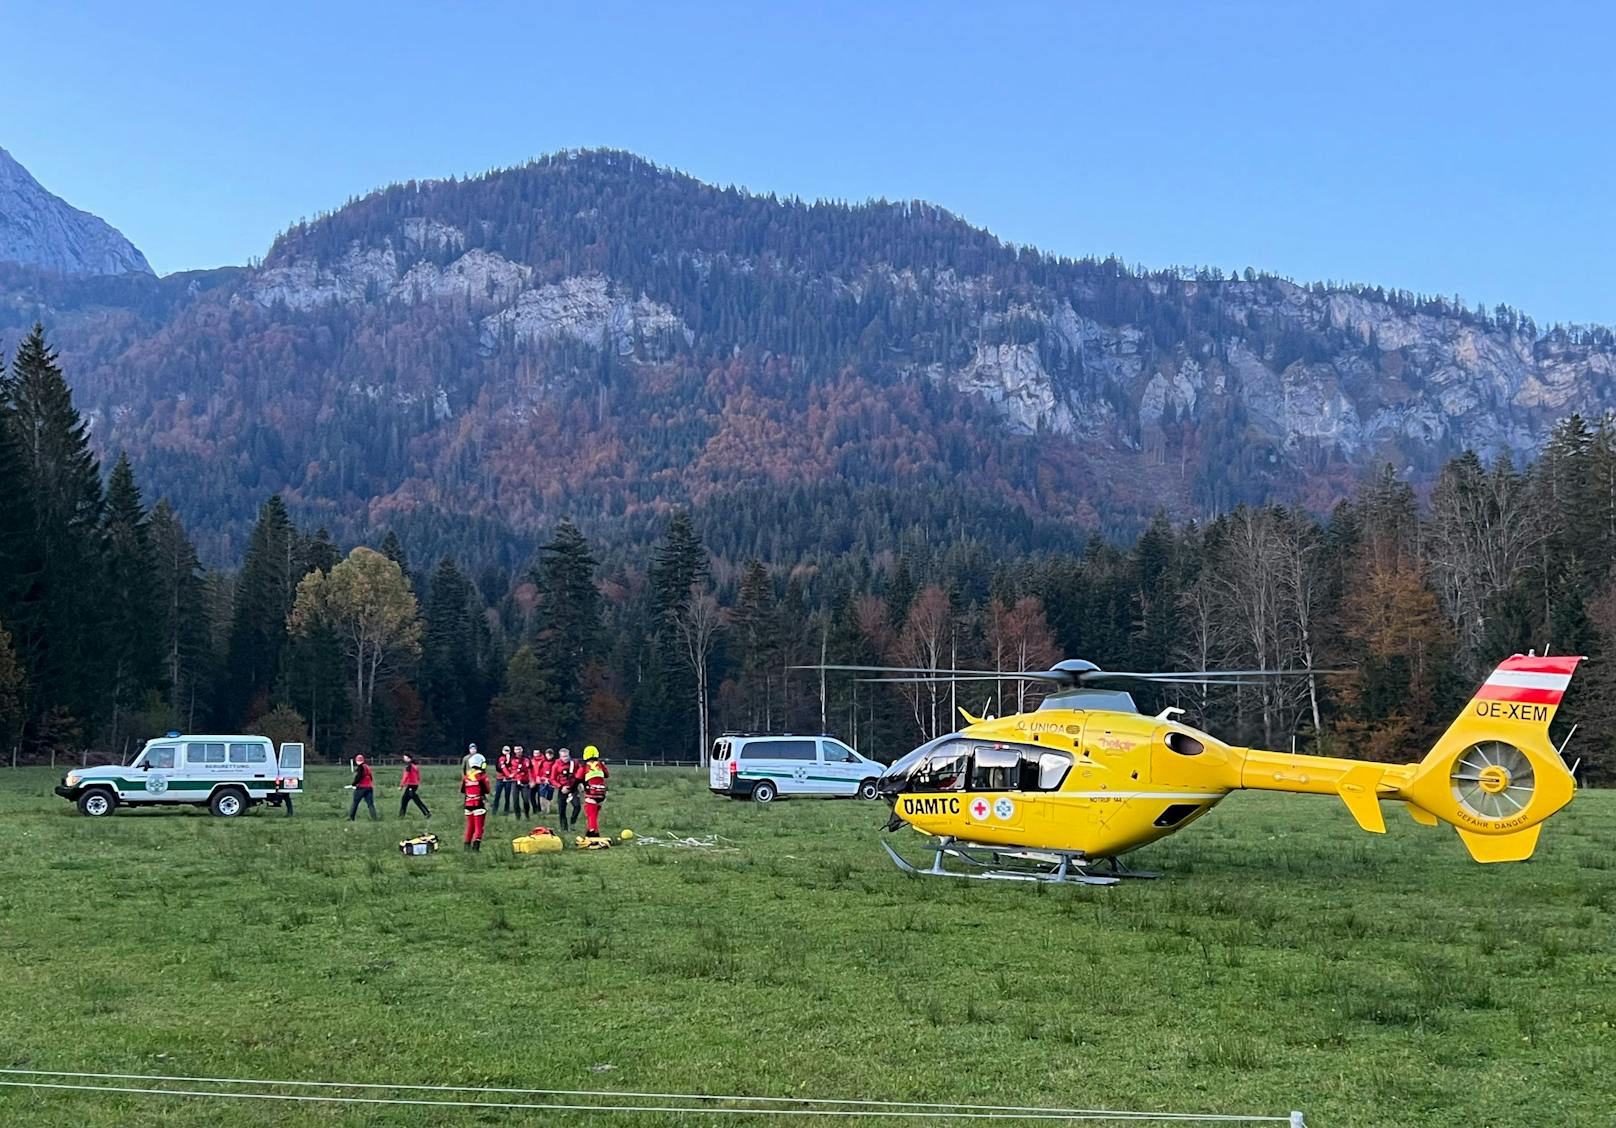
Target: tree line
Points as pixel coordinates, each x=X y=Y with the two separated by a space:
x=111 y=631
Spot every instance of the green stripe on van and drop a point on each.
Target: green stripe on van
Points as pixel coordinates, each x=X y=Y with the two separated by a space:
x=787 y=777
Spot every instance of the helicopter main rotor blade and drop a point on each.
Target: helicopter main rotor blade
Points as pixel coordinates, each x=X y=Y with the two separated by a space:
x=928 y=671
x=1022 y=676
x=1208 y=676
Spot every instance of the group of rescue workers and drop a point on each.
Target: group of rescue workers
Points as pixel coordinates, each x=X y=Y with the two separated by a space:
x=527 y=784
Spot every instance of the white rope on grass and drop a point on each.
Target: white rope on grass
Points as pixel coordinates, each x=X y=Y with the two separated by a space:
x=711 y=842
x=811 y=1106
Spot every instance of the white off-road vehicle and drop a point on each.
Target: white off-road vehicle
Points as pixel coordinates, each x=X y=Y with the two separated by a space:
x=226 y=774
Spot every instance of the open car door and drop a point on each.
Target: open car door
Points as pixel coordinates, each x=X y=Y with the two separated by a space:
x=290 y=774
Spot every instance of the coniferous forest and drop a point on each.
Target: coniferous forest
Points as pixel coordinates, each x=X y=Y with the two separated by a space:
x=112 y=631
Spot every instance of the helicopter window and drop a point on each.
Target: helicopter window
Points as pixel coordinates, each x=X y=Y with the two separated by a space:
x=1184 y=744
x=1051 y=769
x=995 y=769
x=944 y=769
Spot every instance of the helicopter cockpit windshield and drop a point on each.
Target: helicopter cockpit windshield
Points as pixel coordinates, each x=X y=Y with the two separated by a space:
x=958 y=763
x=939 y=765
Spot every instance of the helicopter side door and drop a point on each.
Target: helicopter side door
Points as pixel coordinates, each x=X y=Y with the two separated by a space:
x=992 y=786
x=1010 y=786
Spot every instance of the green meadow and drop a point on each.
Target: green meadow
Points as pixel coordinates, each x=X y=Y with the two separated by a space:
x=1286 y=960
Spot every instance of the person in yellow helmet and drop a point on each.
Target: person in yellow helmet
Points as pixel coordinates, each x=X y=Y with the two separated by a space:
x=595 y=776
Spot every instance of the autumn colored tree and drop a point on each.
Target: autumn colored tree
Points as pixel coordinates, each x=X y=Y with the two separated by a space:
x=367 y=603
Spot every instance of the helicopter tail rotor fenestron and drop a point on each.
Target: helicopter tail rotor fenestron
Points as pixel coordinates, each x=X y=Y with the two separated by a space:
x=1495 y=775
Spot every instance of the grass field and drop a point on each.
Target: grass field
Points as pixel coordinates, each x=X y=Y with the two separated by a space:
x=1287 y=960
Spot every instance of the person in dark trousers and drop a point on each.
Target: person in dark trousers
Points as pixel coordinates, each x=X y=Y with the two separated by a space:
x=502 y=779
x=520 y=763
x=411 y=783
x=544 y=771
x=364 y=789
x=566 y=785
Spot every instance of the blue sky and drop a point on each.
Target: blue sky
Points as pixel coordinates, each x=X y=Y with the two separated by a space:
x=1453 y=149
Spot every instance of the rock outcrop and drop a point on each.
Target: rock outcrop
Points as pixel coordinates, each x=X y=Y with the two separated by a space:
x=38 y=228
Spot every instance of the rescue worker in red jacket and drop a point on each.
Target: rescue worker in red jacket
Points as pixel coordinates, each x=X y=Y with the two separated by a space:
x=544 y=772
x=411 y=783
x=475 y=790
x=502 y=779
x=565 y=775
x=595 y=776
x=521 y=780
x=364 y=789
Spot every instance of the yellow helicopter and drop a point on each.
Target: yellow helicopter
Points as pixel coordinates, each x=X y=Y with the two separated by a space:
x=1061 y=794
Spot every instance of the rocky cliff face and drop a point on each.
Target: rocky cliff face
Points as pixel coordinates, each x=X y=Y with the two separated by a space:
x=1304 y=367
x=41 y=229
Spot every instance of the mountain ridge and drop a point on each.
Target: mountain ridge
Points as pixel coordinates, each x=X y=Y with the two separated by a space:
x=39 y=228
x=595 y=334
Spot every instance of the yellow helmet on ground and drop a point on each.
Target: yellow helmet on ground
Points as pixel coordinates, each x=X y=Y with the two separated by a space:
x=591 y=753
x=626 y=836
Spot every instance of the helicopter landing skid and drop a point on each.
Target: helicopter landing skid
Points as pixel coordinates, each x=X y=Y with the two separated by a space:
x=1049 y=867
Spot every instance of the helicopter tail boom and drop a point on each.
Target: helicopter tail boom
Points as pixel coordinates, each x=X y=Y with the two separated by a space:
x=1494 y=775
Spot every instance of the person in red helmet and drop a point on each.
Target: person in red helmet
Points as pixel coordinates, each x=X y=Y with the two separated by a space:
x=475 y=789
x=594 y=778
x=364 y=789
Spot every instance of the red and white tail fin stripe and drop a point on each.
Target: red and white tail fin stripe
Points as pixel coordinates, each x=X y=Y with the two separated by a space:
x=1539 y=681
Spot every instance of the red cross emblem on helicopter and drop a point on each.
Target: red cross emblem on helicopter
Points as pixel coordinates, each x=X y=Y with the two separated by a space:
x=979 y=809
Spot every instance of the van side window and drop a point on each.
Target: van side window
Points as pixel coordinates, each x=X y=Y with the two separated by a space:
x=204 y=753
x=838 y=753
x=161 y=756
x=247 y=754
x=782 y=750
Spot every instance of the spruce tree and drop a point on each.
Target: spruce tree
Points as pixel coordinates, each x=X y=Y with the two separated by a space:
x=678 y=563
x=19 y=563
x=568 y=623
x=264 y=593
x=757 y=635
x=317 y=553
x=449 y=662
x=58 y=619
x=517 y=715
x=134 y=657
x=393 y=549
x=182 y=628
x=13 y=695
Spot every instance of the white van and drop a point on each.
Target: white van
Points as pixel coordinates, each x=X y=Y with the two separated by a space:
x=768 y=767
x=225 y=774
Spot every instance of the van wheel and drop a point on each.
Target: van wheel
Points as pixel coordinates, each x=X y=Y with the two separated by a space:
x=96 y=802
x=764 y=792
x=228 y=803
x=867 y=790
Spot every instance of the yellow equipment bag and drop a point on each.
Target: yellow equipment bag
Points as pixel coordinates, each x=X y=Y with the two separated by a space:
x=420 y=844
x=536 y=844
